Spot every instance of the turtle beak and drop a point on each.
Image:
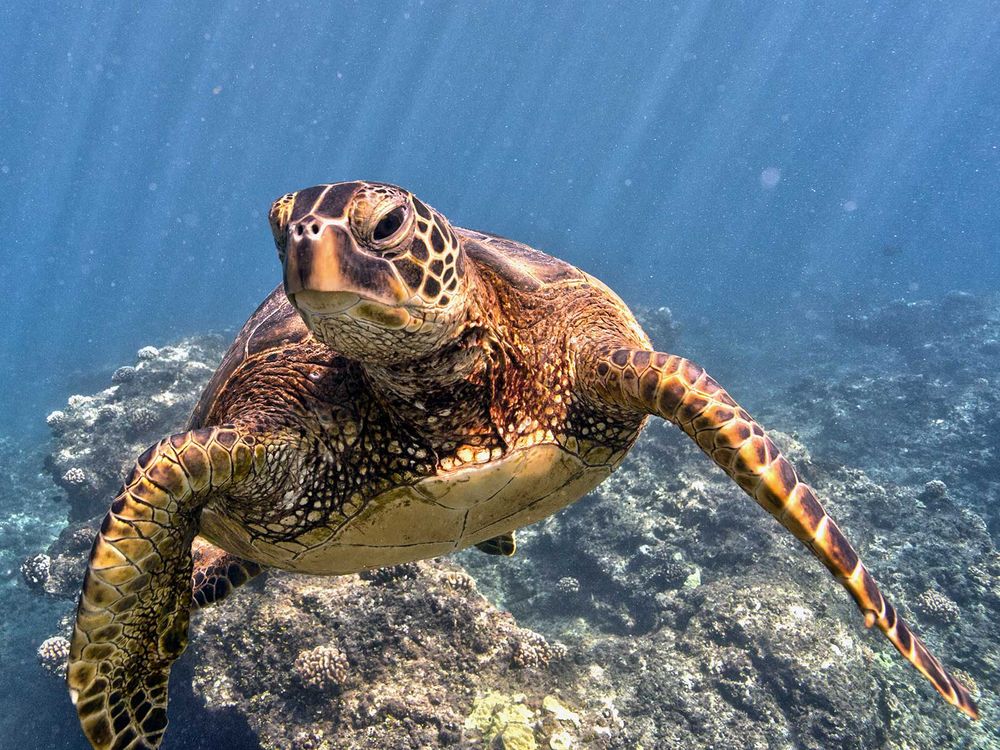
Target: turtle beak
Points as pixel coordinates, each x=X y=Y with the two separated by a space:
x=326 y=271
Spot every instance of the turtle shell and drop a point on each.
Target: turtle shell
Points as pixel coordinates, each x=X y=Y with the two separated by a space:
x=521 y=266
x=273 y=324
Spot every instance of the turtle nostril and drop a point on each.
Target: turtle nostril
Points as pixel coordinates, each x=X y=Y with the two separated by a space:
x=298 y=230
x=314 y=228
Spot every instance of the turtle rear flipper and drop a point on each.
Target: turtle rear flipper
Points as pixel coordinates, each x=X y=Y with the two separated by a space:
x=217 y=572
x=132 y=619
x=499 y=545
x=680 y=391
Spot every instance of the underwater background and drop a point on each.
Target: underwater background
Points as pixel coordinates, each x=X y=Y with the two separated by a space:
x=811 y=189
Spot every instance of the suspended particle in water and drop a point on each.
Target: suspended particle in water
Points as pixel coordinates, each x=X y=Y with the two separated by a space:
x=849 y=206
x=770 y=177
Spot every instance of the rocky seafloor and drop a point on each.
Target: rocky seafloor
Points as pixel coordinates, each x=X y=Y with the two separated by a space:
x=665 y=610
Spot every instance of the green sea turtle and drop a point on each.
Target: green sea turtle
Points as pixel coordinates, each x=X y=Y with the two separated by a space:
x=413 y=389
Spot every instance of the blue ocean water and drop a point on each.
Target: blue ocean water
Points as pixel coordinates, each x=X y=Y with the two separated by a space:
x=750 y=165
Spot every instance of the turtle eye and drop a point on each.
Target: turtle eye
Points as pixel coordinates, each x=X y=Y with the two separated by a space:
x=389 y=224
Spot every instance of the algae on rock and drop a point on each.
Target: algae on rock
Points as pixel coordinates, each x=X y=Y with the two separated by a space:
x=504 y=717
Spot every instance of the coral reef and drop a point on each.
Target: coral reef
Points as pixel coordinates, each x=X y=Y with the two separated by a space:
x=60 y=572
x=99 y=436
x=531 y=649
x=36 y=570
x=323 y=667
x=665 y=609
x=52 y=655
x=352 y=662
x=124 y=374
x=933 y=605
x=915 y=400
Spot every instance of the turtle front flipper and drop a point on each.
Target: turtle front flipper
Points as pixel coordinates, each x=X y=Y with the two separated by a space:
x=132 y=619
x=217 y=572
x=651 y=382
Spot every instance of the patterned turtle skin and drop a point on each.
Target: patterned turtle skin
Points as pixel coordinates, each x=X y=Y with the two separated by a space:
x=413 y=389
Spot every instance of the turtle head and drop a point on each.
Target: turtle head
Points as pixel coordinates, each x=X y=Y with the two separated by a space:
x=375 y=273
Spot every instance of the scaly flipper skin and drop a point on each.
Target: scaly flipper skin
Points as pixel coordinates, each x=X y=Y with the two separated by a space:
x=132 y=618
x=217 y=572
x=683 y=393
